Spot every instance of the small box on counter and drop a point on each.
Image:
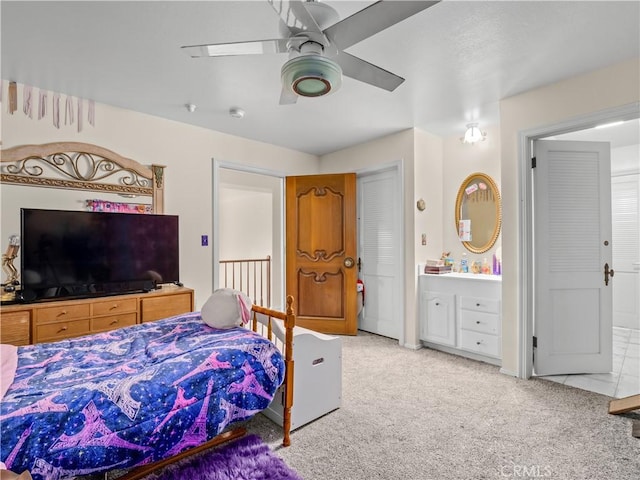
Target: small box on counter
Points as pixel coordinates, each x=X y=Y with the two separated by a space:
x=437 y=269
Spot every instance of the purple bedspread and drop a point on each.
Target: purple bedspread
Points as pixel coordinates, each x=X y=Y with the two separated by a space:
x=132 y=396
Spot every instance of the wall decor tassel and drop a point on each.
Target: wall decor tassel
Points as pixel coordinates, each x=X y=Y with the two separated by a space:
x=27 y=100
x=68 y=111
x=56 y=110
x=42 y=104
x=79 y=115
x=91 y=114
x=13 y=97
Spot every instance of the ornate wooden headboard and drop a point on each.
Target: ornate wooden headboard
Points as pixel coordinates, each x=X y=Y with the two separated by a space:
x=81 y=166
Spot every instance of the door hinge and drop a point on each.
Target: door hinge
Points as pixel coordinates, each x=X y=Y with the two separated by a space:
x=535 y=342
x=533 y=162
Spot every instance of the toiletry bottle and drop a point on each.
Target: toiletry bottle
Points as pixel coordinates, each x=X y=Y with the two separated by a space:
x=485 y=266
x=464 y=265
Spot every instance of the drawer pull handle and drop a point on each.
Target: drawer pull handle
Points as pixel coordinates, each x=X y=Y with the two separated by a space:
x=477 y=304
x=113 y=307
x=478 y=322
x=63 y=312
x=113 y=322
x=62 y=329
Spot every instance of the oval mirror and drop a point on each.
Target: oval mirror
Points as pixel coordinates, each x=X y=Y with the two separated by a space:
x=478 y=212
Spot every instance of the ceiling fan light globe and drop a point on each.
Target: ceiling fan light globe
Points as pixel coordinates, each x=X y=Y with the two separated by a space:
x=311 y=86
x=311 y=75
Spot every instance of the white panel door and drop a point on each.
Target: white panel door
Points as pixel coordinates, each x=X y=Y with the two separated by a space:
x=572 y=244
x=379 y=248
x=626 y=250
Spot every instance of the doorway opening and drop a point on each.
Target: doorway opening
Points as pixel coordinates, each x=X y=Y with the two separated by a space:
x=622 y=381
x=624 y=378
x=247 y=201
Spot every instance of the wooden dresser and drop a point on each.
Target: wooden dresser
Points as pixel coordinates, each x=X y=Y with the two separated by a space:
x=24 y=324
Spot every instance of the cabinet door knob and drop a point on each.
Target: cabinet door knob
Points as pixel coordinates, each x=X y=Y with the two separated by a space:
x=477 y=304
x=437 y=304
x=478 y=322
x=478 y=343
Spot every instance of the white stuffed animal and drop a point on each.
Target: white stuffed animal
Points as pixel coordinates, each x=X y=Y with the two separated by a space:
x=227 y=308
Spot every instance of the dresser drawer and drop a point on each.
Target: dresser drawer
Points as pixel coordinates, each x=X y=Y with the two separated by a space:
x=14 y=328
x=481 y=343
x=62 y=313
x=57 y=331
x=115 y=307
x=480 y=322
x=156 y=308
x=479 y=304
x=101 y=324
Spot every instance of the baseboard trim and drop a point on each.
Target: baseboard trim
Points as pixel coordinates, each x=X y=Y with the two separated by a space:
x=412 y=346
x=508 y=372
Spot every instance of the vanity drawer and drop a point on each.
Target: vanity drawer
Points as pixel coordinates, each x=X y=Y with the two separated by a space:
x=480 y=322
x=56 y=331
x=115 y=307
x=102 y=324
x=62 y=313
x=480 y=304
x=482 y=343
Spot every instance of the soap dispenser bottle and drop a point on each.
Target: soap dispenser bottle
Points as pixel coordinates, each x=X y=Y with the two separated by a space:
x=464 y=264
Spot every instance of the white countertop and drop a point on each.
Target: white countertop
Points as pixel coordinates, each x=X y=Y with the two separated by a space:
x=469 y=276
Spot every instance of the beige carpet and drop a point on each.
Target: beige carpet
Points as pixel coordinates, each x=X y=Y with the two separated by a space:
x=425 y=415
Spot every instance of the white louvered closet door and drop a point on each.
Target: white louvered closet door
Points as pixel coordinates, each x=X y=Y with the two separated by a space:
x=379 y=248
x=626 y=250
x=572 y=244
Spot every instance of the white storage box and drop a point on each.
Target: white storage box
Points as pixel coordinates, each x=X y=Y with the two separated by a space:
x=317 y=379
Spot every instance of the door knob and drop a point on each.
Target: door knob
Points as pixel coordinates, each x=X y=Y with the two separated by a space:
x=349 y=262
x=607 y=273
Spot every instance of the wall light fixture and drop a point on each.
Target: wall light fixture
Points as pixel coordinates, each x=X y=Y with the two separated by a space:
x=473 y=134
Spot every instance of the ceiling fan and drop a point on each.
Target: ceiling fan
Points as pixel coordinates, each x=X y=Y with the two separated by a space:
x=315 y=39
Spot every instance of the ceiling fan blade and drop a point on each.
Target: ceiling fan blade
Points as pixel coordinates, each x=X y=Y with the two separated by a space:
x=366 y=72
x=287 y=96
x=373 y=19
x=304 y=17
x=278 y=45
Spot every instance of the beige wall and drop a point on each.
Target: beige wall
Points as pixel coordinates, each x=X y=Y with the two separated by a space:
x=596 y=91
x=460 y=161
x=185 y=150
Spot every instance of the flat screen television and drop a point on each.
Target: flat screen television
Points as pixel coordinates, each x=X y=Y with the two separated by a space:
x=76 y=254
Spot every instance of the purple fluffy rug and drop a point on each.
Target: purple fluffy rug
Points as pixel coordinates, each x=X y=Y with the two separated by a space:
x=247 y=458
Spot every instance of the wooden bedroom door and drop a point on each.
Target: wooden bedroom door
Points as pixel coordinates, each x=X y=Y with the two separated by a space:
x=321 y=251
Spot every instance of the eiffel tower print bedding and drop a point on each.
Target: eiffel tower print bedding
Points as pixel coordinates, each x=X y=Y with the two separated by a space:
x=132 y=396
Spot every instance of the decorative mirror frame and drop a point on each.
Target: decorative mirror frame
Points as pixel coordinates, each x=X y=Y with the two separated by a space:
x=106 y=171
x=498 y=211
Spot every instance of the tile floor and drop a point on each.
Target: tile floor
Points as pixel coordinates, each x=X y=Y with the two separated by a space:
x=624 y=380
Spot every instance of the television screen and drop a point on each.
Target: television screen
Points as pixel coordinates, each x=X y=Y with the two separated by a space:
x=82 y=254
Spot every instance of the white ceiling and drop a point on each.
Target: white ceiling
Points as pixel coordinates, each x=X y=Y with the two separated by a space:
x=459 y=59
